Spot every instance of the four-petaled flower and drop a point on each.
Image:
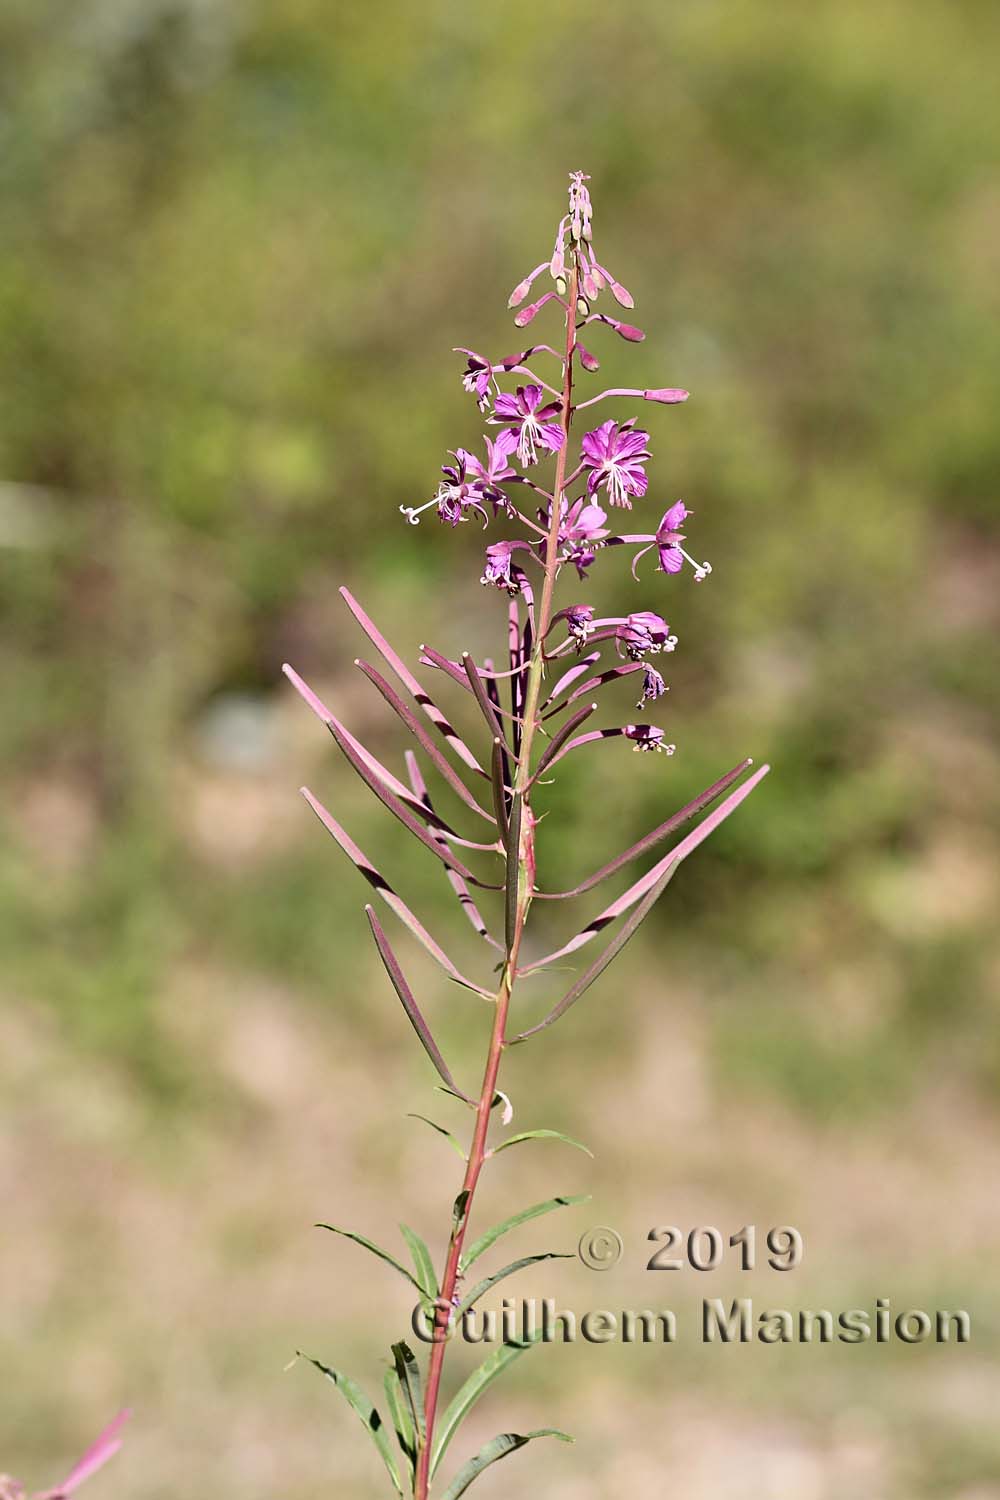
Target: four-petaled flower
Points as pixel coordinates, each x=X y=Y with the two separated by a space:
x=495 y=470
x=615 y=453
x=644 y=634
x=499 y=561
x=477 y=377
x=647 y=737
x=581 y=532
x=531 y=422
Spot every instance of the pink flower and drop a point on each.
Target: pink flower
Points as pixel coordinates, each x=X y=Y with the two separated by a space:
x=615 y=453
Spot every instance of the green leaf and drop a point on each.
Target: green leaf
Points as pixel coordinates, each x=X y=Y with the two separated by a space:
x=467 y=1396
x=366 y=1411
x=516 y=1265
x=422 y=1261
x=477 y=1248
x=498 y=1447
x=441 y=1130
x=541 y=1135
x=408 y=1371
x=359 y=1239
x=401 y=1420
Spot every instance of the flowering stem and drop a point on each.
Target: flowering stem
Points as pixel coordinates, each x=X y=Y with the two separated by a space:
x=521 y=833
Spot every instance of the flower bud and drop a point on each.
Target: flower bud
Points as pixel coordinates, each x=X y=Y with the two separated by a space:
x=627 y=331
x=519 y=293
x=561 y=286
x=666 y=395
x=588 y=360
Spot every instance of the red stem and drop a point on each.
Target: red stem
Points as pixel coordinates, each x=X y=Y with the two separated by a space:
x=525 y=858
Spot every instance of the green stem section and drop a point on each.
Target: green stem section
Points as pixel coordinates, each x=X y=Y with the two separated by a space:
x=520 y=848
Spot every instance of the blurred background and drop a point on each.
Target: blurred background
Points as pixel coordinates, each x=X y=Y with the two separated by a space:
x=238 y=243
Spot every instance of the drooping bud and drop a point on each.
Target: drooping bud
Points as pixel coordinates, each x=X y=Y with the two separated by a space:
x=627 y=331
x=588 y=360
x=519 y=293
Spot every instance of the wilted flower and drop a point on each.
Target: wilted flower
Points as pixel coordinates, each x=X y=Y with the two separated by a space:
x=653 y=686
x=477 y=377
x=615 y=454
x=579 y=622
x=499 y=561
x=532 y=422
x=455 y=495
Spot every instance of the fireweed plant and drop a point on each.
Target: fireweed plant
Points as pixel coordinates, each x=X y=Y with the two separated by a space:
x=556 y=497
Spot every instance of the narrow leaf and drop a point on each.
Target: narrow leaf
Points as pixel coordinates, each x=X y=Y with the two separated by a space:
x=370 y=1418
x=469 y=1393
x=498 y=1447
x=455 y=880
x=365 y=867
x=412 y=1385
x=482 y=1287
x=406 y=677
x=400 y=1417
x=611 y=952
x=646 y=882
x=441 y=1129
x=540 y=1135
x=482 y=698
x=480 y=1246
x=409 y=718
x=650 y=840
x=422 y=1262
x=498 y=776
x=390 y=1260
x=513 y=871
x=405 y=994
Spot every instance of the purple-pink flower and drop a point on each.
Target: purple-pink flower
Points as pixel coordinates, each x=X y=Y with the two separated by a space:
x=644 y=634
x=647 y=737
x=495 y=470
x=532 y=422
x=477 y=377
x=615 y=454
x=499 y=562
x=653 y=686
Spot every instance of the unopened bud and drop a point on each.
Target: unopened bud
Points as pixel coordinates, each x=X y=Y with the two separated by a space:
x=561 y=286
x=582 y=308
x=519 y=293
x=588 y=360
x=621 y=294
x=667 y=395
x=627 y=331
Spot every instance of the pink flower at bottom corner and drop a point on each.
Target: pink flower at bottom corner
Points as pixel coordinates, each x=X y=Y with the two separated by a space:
x=104 y=1446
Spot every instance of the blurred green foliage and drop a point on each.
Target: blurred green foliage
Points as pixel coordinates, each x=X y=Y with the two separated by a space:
x=238 y=244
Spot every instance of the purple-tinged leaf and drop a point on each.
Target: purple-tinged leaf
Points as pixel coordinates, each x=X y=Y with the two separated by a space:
x=395 y=805
x=577 y=670
x=513 y=870
x=646 y=882
x=593 y=683
x=610 y=953
x=476 y=683
x=408 y=1003
x=650 y=840
x=500 y=797
x=423 y=739
x=379 y=883
x=320 y=709
x=455 y=880
x=406 y=677
x=551 y=753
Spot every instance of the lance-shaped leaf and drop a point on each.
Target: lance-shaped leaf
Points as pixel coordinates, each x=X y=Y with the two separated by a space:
x=400 y=1418
x=412 y=1386
x=540 y=1135
x=552 y=749
x=646 y=883
x=498 y=1447
x=650 y=840
x=455 y=880
x=513 y=870
x=577 y=670
x=482 y=1287
x=367 y=1244
x=498 y=762
x=408 y=1003
x=413 y=724
x=395 y=805
x=482 y=697
x=422 y=1263
x=469 y=1393
x=610 y=953
x=378 y=881
x=370 y=1418
x=441 y=1129
x=406 y=677
x=480 y=1246
x=602 y=679
x=321 y=711
x=493 y=694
